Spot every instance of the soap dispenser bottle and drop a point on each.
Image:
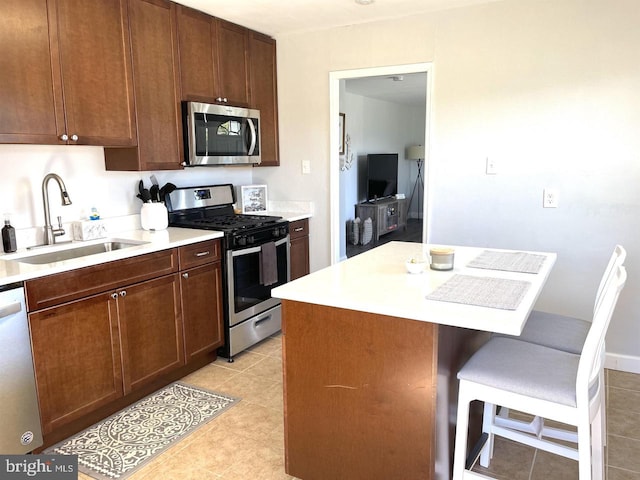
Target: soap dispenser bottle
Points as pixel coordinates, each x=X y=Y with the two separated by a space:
x=8 y=236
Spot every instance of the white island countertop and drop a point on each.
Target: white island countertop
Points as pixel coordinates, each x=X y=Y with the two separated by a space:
x=377 y=281
x=12 y=270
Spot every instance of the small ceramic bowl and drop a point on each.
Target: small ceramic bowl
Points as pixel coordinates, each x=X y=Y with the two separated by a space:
x=414 y=265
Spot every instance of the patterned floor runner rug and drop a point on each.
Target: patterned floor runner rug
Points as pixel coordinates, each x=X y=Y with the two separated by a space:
x=120 y=445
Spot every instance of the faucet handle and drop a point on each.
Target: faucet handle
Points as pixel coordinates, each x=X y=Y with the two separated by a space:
x=60 y=222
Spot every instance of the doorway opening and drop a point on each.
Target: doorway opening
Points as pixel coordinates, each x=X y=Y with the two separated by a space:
x=379 y=110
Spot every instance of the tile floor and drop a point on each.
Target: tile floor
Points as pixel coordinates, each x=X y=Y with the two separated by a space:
x=246 y=442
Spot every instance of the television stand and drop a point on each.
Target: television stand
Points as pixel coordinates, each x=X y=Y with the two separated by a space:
x=387 y=215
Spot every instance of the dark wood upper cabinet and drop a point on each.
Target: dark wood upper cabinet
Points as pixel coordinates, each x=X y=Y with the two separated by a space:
x=232 y=45
x=213 y=59
x=31 y=106
x=67 y=73
x=264 y=94
x=196 y=32
x=113 y=73
x=157 y=92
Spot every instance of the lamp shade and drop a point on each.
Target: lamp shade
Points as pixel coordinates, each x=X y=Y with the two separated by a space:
x=415 y=152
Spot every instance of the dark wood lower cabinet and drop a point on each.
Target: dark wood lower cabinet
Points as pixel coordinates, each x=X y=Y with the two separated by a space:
x=151 y=330
x=76 y=354
x=202 y=309
x=299 y=251
x=101 y=342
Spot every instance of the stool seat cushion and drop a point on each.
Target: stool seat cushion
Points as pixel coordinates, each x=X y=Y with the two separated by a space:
x=524 y=368
x=556 y=331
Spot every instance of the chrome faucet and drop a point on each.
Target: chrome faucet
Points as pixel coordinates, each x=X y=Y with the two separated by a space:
x=51 y=233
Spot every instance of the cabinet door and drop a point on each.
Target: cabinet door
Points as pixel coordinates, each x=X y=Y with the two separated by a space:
x=232 y=45
x=95 y=65
x=264 y=95
x=32 y=110
x=76 y=355
x=196 y=34
x=151 y=327
x=299 y=252
x=299 y=257
x=201 y=290
x=156 y=86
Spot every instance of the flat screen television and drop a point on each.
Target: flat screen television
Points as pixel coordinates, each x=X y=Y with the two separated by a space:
x=382 y=175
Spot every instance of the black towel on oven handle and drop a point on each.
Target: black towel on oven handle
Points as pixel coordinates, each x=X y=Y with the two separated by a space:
x=268 y=264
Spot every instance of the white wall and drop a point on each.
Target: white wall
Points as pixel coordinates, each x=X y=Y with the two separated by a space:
x=548 y=89
x=82 y=168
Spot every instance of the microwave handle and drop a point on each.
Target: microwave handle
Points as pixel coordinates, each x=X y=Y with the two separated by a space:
x=254 y=136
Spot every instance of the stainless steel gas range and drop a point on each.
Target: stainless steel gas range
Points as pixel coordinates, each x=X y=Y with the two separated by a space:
x=255 y=260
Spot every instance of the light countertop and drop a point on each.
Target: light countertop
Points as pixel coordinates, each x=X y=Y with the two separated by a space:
x=15 y=271
x=377 y=281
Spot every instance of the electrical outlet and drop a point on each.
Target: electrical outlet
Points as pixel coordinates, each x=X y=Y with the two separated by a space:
x=306 y=167
x=491 y=167
x=550 y=198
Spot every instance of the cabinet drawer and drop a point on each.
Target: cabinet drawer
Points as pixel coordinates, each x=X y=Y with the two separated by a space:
x=64 y=287
x=199 y=254
x=299 y=228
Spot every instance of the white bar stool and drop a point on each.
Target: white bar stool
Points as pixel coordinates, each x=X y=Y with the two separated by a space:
x=544 y=382
x=562 y=333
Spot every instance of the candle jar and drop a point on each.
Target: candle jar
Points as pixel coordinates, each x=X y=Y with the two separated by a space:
x=441 y=258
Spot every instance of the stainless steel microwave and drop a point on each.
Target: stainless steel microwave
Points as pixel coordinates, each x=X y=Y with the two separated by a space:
x=220 y=134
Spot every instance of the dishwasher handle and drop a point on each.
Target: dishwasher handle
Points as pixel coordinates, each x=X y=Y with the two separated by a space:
x=10 y=309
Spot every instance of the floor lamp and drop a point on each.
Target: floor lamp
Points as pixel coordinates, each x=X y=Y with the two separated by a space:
x=416 y=152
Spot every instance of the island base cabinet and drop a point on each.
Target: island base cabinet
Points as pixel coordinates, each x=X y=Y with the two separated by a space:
x=76 y=354
x=359 y=394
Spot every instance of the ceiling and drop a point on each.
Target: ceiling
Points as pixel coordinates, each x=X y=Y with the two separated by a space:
x=406 y=89
x=275 y=17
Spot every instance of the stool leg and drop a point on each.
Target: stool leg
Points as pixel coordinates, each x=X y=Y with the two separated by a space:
x=597 y=446
x=462 y=432
x=487 y=427
x=584 y=449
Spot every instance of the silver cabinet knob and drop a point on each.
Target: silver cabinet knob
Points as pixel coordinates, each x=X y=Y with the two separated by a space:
x=64 y=137
x=185 y=275
x=74 y=137
x=123 y=293
x=114 y=295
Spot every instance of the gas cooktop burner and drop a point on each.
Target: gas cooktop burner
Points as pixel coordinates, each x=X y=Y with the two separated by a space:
x=235 y=222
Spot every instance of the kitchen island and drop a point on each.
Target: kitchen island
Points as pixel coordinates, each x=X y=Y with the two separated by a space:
x=370 y=364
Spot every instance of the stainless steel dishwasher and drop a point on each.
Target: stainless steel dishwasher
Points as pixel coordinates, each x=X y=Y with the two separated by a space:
x=19 y=413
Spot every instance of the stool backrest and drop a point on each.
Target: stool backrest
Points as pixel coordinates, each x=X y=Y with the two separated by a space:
x=592 y=356
x=617 y=258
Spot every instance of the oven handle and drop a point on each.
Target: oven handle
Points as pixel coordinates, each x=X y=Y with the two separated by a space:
x=247 y=251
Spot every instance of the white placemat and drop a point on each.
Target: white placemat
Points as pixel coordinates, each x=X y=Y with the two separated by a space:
x=521 y=262
x=489 y=292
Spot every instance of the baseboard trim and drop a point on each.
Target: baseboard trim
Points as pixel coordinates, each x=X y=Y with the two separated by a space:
x=624 y=363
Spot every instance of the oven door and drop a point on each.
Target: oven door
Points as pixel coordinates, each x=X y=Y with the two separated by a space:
x=247 y=295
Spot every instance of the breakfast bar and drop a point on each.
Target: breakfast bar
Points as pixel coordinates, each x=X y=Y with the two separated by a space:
x=371 y=352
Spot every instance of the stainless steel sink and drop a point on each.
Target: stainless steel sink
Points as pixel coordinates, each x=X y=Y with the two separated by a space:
x=78 y=252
